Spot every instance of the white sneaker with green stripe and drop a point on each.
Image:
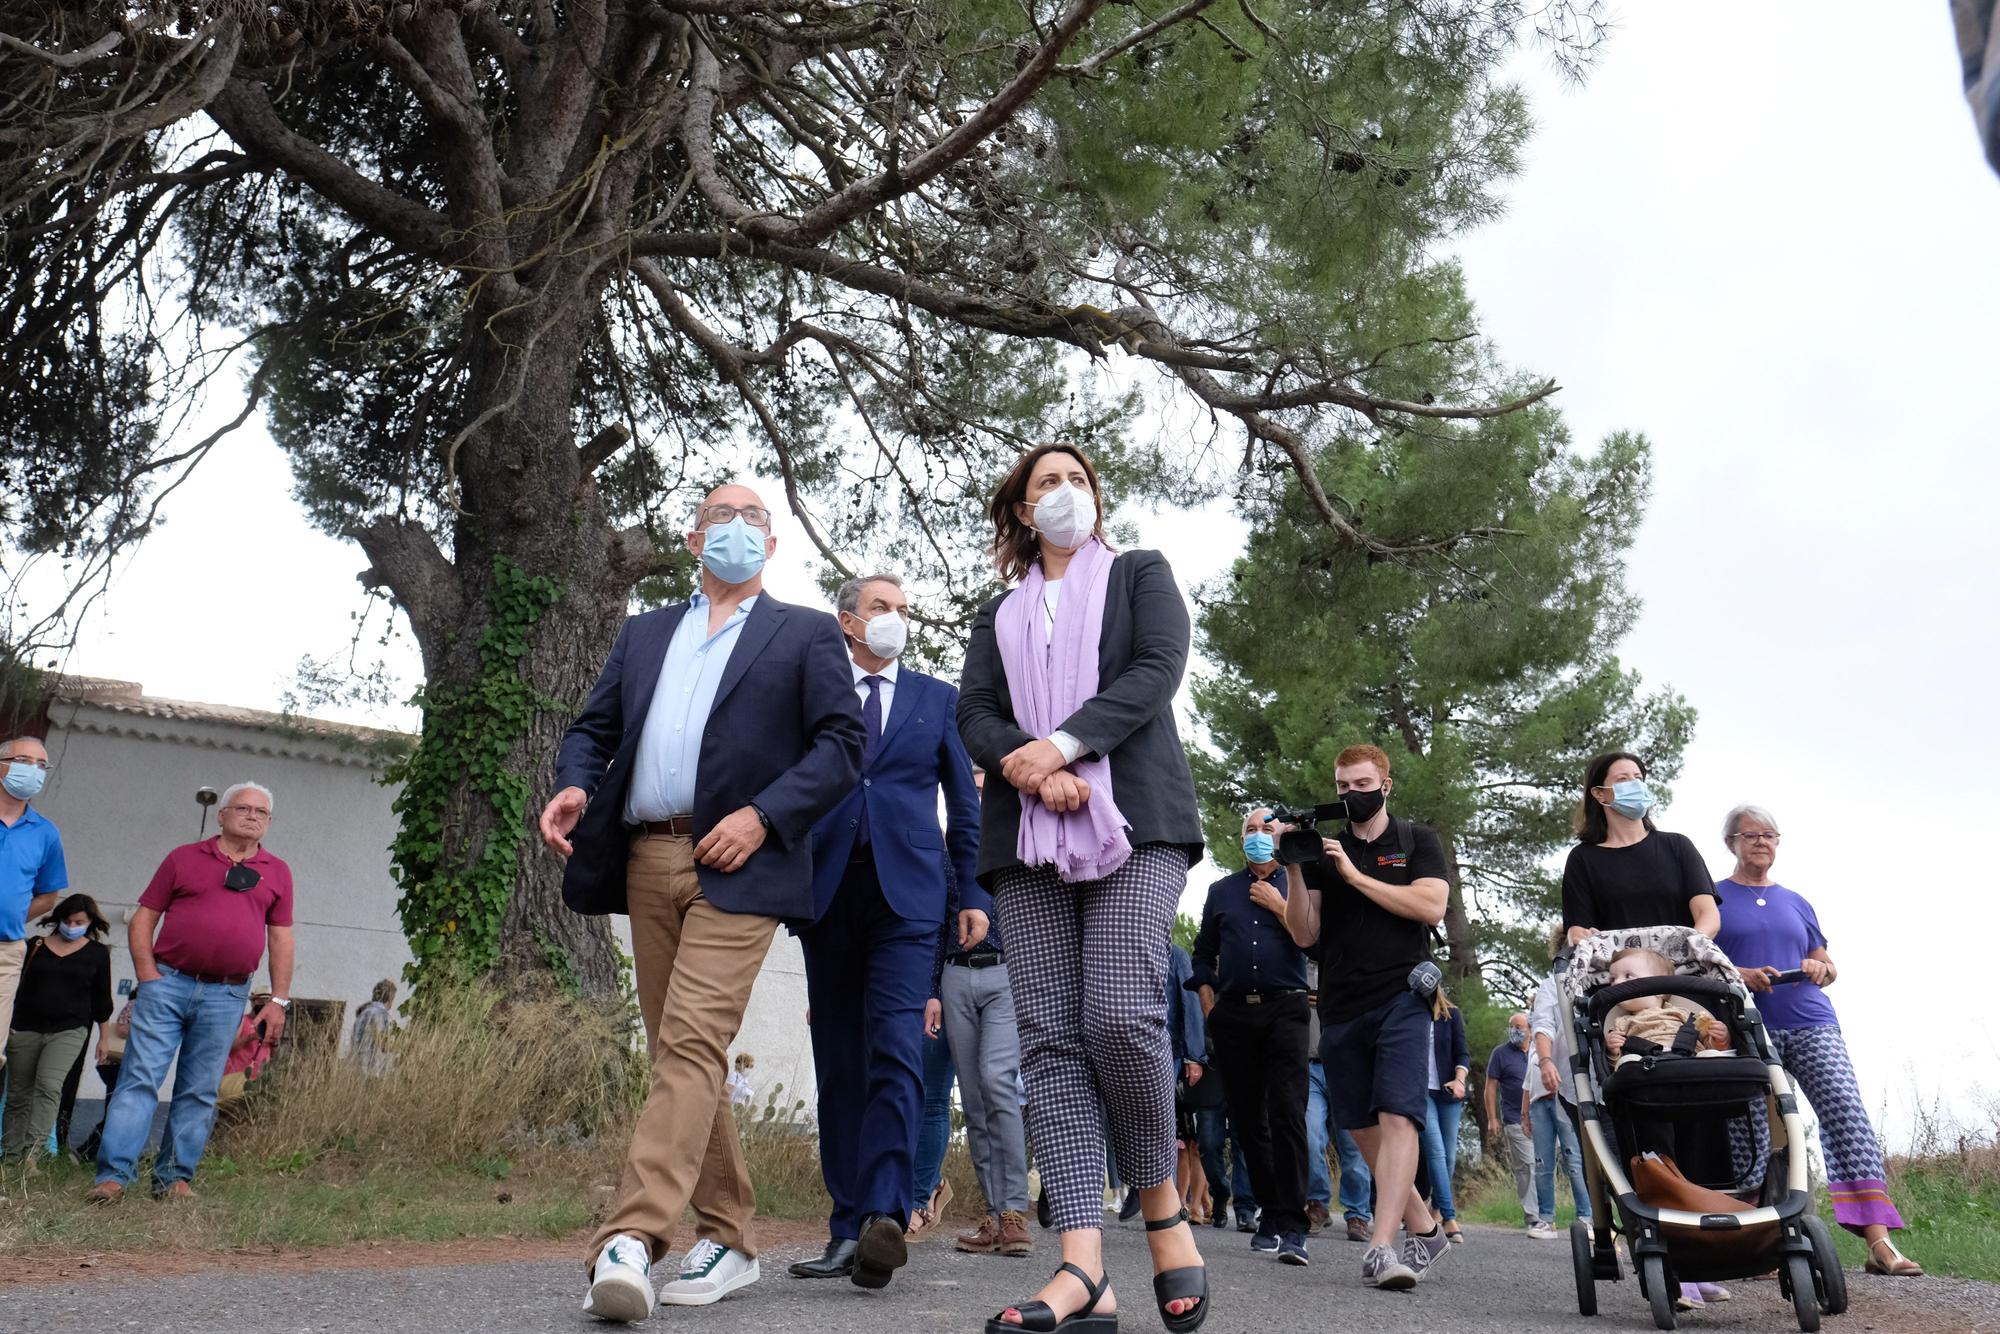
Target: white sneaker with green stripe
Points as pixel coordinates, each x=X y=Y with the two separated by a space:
x=711 y=1272
x=621 y=1282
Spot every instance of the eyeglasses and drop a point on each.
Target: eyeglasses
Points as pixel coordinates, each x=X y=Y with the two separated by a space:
x=1757 y=838
x=32 y=761
x=754 y=515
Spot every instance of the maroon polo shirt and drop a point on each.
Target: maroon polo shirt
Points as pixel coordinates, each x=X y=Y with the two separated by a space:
x=206 y=927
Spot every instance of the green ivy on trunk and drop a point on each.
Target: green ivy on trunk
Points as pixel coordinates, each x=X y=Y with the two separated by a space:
x=452 y=905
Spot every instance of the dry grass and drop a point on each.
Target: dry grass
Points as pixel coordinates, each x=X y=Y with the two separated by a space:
x=470 y=1077
x=494 y=1120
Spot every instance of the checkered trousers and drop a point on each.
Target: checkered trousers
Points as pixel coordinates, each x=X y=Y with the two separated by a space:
x=1088 y=966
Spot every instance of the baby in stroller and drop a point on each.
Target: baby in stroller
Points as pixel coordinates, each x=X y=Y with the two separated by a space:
x=1657 y=1023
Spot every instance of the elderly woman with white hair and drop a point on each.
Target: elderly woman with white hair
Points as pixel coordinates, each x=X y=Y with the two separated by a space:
x=1769 y=930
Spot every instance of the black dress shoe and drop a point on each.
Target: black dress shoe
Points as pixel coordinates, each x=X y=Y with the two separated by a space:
x=879 y=1252
x=1128 y=1208
x=837 y=1262
x=1042 y=1214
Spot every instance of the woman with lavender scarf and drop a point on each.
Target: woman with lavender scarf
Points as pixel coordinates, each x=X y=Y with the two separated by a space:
x=1068 y=695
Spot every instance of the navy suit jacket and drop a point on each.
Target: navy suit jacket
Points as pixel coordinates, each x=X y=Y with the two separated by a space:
x=898 y=795
x=784 y=735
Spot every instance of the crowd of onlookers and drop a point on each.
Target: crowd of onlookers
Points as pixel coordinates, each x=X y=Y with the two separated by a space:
x=213 y=914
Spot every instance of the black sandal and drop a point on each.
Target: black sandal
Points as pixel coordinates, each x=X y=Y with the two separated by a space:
x=1040 y=1317
x=1177 y=1285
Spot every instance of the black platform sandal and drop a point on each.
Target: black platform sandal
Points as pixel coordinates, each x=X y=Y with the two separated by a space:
x=1040 y=1317
x=1178 y=1285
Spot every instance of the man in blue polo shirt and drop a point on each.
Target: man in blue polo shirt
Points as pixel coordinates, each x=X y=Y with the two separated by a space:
x=32 y=872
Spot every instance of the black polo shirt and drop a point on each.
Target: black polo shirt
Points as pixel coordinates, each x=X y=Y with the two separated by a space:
x=1366 y=952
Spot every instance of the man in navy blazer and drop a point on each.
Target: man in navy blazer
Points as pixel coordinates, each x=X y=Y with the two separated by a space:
x=721 y=731
x=883 y=873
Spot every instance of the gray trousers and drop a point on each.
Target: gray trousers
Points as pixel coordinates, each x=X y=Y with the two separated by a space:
x=986 y=1048
x=1521 y=1156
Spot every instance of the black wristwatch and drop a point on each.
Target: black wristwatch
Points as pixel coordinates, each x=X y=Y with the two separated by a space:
x=762 y=818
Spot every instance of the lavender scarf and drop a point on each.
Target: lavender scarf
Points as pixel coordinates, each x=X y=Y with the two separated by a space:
x=1048 y=680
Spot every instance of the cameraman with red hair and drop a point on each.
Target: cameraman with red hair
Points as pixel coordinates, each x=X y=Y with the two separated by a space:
x=1365 y=912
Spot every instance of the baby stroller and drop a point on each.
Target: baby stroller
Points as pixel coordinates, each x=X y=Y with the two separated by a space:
x=1660 y=1118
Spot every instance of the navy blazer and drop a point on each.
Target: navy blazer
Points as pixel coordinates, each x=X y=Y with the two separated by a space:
x=1448 y=1044
x=1142 y=650
x=919 y=753
x=784 y=735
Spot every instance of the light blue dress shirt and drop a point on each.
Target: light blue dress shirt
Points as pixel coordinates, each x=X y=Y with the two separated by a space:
x=664 y=771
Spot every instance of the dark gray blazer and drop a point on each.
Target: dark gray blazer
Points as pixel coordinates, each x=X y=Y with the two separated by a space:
x=1142 y=653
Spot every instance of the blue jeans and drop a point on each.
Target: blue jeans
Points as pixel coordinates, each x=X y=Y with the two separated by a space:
x=173 y=1014
x=1552 y=1125
x=1439 y=1146
x=934 y=1127
x=1212 y=1128
x=1319 y=1134
x=1357 y=1185
x=1357 y=1188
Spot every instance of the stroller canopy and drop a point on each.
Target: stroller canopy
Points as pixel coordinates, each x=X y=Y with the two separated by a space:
x=1691 y=953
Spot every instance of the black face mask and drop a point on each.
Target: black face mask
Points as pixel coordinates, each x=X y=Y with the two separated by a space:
x=1364 y=806
x=240 y=878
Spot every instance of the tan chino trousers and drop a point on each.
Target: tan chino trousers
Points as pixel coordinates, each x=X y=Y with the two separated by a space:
x=13 y=954
x=695 y=966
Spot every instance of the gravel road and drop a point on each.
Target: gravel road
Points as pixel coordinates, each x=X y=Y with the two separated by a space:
x=1498 y=1281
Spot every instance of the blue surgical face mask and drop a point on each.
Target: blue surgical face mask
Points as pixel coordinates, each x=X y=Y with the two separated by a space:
x=1517 y=1036
x=1259 y=848
x=1632 y=799
x=73 y=932
x=733 y=552
x=23 y=782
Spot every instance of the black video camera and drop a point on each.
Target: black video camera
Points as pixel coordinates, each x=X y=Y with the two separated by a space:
x=1301 y=843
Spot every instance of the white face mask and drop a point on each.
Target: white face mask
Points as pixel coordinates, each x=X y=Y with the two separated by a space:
x=886 y=634
x=1066 y=516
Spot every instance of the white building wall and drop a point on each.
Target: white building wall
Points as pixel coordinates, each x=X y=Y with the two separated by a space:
x=122 y=790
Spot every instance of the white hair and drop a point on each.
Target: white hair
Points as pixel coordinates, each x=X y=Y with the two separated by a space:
x=230 y=793
x=1248 y=814
x=1735 y=817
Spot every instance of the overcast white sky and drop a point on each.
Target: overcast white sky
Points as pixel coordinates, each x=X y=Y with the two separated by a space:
x=1765 y=236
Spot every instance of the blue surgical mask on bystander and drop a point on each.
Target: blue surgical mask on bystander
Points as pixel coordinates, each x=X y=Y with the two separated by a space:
x=733 y=552
x=1259 y=848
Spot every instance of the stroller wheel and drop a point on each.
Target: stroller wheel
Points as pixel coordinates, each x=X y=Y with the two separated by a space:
x=1653 y=1278
x=1586 y=1271
x=1805 y=1299
x=1827 y=1273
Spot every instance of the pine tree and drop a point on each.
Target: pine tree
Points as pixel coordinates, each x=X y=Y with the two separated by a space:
x=1487 y=673
x=513 y=281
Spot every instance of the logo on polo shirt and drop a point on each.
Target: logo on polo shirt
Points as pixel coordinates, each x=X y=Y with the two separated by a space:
x=1393 y=859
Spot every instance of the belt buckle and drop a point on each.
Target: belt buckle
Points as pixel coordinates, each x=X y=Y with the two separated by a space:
x=1253 y=998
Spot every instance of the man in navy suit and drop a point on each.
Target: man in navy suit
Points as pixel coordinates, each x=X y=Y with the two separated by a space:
x=722 y=729
x=883 y=876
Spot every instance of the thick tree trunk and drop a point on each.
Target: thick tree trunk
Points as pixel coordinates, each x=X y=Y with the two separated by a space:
x=530 y=511
x=1462 y=953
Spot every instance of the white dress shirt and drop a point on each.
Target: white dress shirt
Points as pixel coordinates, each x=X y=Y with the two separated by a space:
x=887 y=689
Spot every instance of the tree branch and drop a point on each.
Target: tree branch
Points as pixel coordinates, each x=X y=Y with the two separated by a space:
x=405 y=560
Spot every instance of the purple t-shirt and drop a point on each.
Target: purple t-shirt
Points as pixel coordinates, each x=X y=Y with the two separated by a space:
x=1778 y=934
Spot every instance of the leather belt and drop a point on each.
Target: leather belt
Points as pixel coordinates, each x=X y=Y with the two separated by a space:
x=215 y=979
x=983 y=959
x=680 y=826
x=1259 y=997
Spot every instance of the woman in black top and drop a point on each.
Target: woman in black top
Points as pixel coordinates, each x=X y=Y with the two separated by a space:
x=1624 y=872
x=65 y=988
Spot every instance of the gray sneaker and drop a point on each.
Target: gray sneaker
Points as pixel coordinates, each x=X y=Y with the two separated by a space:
x=1380 y=1268
x=1422 y=1251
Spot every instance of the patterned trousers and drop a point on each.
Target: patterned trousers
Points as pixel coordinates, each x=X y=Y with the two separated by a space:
x=1088 y=967
x=1816 y=1058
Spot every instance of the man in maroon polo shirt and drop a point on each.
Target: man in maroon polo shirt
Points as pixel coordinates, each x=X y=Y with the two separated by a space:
x=215 y=905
